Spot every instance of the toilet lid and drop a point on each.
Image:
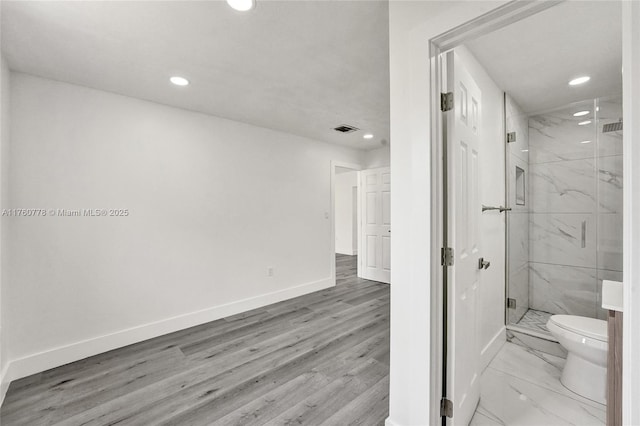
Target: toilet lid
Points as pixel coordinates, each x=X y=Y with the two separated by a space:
x=588 y=327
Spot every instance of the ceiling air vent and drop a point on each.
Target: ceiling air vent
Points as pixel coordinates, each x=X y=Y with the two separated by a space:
x=345 y=129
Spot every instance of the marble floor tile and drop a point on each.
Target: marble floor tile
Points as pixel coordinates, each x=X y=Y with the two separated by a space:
x=536 y=320
x=510 y=400
x=539 y=344
x=538 y=368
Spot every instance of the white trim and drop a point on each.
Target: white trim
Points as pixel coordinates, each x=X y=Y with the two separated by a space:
x=493 y=20
x=56 y=357
x=492 y=348
x=346 y=251
x=631 y=212
x=389 y=422
x=332 y=212
x=4 y=385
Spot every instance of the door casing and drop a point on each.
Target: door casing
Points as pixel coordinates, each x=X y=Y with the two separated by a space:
x=494 y=20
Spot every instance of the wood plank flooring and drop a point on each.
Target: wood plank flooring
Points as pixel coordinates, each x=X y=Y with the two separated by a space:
x=319 y=359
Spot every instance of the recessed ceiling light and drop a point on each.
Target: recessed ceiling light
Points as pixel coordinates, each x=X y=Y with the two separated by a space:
x=585 y=142
x=581 y=113
x=242 y=5
x=368 y=136
x=584 y=123
x=524 y=150
x=579 y=80
x=179 y=81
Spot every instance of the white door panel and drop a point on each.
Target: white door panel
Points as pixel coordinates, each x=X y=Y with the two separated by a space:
x=375 y=190
x=463 y=357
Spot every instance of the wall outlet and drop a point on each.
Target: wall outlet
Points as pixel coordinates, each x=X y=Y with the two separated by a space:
x=270 y=271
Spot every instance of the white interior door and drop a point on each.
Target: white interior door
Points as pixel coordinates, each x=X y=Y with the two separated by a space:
x=464 y=209
x=375 y=253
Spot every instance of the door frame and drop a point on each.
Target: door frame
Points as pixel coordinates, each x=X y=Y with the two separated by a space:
x=361 y=223
x=498 y=18
x=332 y=213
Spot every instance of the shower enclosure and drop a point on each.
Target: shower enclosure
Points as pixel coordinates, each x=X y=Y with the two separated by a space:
x=564 y=230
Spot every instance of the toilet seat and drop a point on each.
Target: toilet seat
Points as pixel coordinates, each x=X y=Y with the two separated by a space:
x=588 y=327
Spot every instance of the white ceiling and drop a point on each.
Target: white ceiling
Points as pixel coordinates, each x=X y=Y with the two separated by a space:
x=534 y=59
x=303 y=67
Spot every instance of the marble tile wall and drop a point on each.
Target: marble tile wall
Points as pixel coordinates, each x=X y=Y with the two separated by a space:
x=518 y=218
x=575 y=224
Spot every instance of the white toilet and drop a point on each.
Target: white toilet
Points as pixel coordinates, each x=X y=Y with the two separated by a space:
x=585 y=340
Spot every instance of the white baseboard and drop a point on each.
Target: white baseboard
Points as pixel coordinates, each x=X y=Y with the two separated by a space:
x=4 y=384
x=348 y=252
x=493 y=347
x=389 y=422
x=35 y=363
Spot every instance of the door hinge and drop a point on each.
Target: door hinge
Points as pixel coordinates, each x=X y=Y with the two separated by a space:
x=511 y=303
x=446 y=101
x=446 y=408
x=447 y=256
x=511 y=137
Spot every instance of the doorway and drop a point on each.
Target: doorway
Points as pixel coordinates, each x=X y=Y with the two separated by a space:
x=471 y=74
x=345 y=218
x=361 y=222
x=345 y=234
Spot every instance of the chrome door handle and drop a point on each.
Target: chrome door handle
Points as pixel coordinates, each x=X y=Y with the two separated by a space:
x=483 y=264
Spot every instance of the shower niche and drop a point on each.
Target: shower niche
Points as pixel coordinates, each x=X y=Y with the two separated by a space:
x=564 y=232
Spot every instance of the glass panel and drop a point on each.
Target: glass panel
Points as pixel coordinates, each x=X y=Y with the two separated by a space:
x=517 y=158
x=564 y=234
x=609 y=186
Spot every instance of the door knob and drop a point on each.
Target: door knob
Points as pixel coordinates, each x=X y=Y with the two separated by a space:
x=483 y=264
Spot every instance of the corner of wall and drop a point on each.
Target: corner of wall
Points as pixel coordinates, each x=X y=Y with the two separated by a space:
x=4 y=384
x=4 y=143
x=390 y=422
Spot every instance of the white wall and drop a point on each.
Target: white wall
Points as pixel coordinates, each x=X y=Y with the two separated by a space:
x=492 y=231
x=345 y=211
x=411 y=26
x=631 y=252
x=4 y=171
x=213 y=203
x=380 y=157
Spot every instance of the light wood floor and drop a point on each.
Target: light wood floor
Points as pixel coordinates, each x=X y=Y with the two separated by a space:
x=318 y=359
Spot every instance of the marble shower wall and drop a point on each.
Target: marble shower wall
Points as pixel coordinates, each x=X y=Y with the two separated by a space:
x=575 y=221
x=610 y=172
x=518 y=218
